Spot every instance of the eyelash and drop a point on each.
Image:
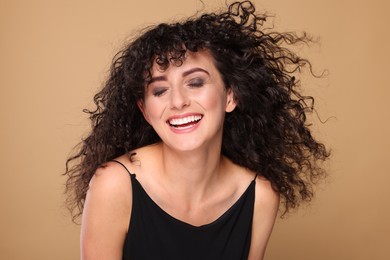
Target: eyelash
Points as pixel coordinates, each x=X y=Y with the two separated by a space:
x=195 y=83
x=158 y=92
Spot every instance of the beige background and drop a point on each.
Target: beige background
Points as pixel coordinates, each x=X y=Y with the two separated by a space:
x=54 y=56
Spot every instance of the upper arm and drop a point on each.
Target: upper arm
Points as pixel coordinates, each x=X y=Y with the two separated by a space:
x=106 y=214
x=265 y=211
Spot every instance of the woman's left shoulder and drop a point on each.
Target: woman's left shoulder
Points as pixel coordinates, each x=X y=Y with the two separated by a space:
x=265 y=195
x=265 y=211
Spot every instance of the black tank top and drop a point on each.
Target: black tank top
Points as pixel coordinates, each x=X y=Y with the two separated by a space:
x=154 y=234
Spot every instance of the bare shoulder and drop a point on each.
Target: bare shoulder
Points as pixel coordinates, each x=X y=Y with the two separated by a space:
x=106 y=213
x=150 y=154
x=111 y=174
x=266 y=196
x=110 y=187
x=112 y=182
x=265 y=212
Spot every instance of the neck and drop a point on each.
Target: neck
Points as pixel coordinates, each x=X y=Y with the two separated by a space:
x=192 y=173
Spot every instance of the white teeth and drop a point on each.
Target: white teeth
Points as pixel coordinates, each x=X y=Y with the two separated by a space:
x=184 y=120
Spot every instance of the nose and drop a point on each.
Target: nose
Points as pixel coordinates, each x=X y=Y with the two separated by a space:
x=179 y=98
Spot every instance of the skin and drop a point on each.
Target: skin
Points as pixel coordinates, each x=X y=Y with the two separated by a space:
x=211 y=183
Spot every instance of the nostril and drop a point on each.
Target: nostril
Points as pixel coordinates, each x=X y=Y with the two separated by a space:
x=179 y=100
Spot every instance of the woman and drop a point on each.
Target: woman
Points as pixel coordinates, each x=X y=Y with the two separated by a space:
x=199 y=131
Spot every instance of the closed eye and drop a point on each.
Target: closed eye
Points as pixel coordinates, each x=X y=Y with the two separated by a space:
x=158 y=91
x=196 y=83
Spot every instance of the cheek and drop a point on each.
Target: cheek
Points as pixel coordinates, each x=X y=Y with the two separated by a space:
x=213 y=99
x=153 y=109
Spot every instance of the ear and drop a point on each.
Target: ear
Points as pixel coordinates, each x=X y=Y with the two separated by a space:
x=141 y=106
x=230 y=101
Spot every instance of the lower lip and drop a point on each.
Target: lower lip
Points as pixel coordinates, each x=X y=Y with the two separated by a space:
x=185 y=129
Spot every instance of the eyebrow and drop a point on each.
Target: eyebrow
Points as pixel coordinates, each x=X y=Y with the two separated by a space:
x=185 y=73
x=159 y=78
x=188 y=72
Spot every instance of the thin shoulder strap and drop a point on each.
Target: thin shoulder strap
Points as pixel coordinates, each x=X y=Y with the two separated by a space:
x=122 y=165
x=254 y=179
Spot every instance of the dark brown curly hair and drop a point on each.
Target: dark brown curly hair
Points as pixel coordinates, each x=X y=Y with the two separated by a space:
x=267 y=132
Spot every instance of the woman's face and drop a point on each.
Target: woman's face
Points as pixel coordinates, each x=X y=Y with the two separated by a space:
x=186 y=104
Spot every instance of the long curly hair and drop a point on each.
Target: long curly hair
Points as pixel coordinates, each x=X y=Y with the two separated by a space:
x=268 y=131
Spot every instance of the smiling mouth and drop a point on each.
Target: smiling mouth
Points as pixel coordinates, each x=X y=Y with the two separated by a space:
x=184 y=122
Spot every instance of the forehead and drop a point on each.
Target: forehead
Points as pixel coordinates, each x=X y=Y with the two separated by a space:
x=202 y=59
